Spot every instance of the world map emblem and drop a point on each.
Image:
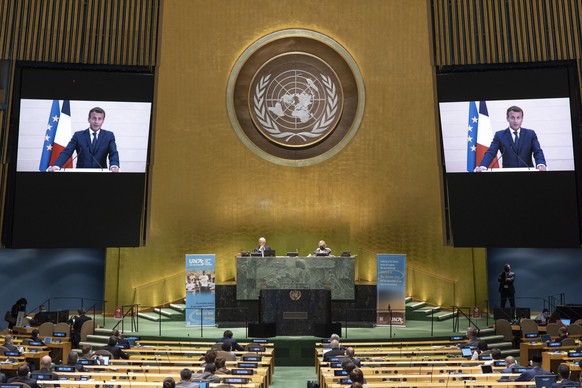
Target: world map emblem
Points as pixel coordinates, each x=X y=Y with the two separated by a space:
x=296 y=100
x=295 y=97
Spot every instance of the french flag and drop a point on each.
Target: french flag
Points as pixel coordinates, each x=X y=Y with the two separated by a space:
x=479 y=135
x=57 y=135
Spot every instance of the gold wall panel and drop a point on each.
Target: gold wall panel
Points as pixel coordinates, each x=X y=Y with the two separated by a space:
x=380 y=194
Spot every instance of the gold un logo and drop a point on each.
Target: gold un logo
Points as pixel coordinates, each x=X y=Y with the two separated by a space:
x=295 y=97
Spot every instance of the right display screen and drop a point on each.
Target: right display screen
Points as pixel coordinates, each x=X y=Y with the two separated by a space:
x=496 y=192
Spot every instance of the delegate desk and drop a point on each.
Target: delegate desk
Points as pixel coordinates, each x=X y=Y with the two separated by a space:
x=528 y=349
x=334 y=273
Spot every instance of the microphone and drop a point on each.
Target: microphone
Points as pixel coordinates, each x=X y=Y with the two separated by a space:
x=89 y=145
x=96 y=161
x=72 y=160
x=520 y=159
x=168 y=357
x=497 y=158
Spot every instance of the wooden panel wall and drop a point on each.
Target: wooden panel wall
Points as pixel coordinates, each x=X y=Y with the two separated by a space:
x=506 y=31
x=107 y=32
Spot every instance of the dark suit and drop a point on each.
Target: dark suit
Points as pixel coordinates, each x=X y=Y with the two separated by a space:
x=355 y=361
x=509 y=291
x=44 y=371
x=266 y=248
x=532 y=373
x=233 y=344
x=117 y=352
x=340 y=353
x=10 y=347
x=566 y=383
x=25 y=380
x=89 y=156
x=520 y=156
x=76 y=337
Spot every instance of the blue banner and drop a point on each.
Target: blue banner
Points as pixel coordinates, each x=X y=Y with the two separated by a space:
x=391 y=289
x=200 y=282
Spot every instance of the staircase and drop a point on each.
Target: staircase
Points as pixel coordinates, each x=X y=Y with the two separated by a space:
x=421 y=311
x=174 y=312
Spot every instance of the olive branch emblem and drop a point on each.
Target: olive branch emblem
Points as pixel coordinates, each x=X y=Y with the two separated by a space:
x=270 y=125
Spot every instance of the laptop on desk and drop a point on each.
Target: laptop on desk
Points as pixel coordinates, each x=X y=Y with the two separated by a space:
x=467 y=352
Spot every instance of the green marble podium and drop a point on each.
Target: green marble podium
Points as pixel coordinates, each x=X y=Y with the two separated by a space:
x=333 y=273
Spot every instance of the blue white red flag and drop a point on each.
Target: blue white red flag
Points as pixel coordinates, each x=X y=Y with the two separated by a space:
x=57 y=135
x=479 y=135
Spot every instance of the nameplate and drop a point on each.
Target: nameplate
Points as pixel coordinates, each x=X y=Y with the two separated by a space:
x=295 y=315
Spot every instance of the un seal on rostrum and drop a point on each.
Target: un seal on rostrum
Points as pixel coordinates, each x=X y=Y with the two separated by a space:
x=295 y=294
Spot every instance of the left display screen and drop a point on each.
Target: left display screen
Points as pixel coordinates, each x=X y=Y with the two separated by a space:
x=46 y=127
x=85 y=205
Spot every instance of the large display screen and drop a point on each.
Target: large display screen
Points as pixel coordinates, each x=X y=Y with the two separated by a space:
x=43 y=131
x=88 y=202
x=468 y=128
x=496 y=190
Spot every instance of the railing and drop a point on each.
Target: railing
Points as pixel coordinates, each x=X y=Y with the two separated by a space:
x=458 y=311
x=527 y=302
x=133 y=313
x=555 y=300
x=171 y=287
x=372 y=315
x=58 y=303
x=442 y=288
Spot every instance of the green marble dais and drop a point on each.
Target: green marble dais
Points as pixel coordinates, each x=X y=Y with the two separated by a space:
x=281 y=272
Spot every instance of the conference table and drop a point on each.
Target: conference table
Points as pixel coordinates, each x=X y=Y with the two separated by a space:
x=528 y=349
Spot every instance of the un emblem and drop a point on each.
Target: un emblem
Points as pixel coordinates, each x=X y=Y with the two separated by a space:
x=295 y=294
x=295 y=97
x=296 y=100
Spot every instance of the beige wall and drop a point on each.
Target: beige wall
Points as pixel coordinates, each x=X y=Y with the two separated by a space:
x=382 y=193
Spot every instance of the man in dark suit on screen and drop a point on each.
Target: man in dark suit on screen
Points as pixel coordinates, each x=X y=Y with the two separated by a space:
x=93 y=146
x=516 y=144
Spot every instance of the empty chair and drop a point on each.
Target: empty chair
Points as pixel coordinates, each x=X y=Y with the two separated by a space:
x=553 y=329
x=503 y=327
x=528 y=326
x=63 y=327
x=575 y=330
x=46 y=329
x=578 y=321
x=568 y=342
x=103 y=352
